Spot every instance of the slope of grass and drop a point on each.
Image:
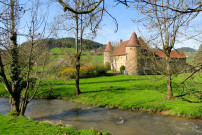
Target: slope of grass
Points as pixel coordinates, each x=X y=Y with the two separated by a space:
x=190 y=57
x=23 y=126
x=59 y=53
x=146 y=93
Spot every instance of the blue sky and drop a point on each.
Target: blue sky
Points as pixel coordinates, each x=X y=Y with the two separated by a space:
x=124 y=18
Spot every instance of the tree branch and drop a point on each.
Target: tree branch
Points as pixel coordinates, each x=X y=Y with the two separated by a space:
x=66 y=7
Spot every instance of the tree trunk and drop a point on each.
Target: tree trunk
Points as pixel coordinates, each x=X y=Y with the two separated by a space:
x=169 y=80
x=78 y=54
x=77 y=89
x=15 y=104
x=23 y=107
x=14 y=67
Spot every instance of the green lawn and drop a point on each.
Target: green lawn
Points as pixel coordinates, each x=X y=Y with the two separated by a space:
x=146 y=93
x=22 y=126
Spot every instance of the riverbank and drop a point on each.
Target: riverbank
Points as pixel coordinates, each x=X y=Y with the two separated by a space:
x=20 y=125
x=144 y=93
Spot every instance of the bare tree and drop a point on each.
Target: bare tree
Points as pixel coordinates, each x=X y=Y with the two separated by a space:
x=191 y=6
x=166 y=23
x=16 y=74
x=87 y=17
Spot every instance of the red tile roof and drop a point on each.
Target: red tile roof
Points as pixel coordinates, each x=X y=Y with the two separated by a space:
x=133 y=40
x=108 y=47
x=120 y=49
x=173 y=54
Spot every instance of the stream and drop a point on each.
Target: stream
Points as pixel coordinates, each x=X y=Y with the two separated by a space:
x=117 y=122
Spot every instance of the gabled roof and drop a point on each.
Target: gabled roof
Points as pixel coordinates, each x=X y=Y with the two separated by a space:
x=108 y=47
x=173 y=54
x=120 y=49
x=133 y=42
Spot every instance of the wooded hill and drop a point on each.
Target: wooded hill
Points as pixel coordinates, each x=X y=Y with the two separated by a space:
x=69 y=43
x=186 y=49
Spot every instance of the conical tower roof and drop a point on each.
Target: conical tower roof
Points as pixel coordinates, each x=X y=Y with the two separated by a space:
x=108 y=47
x=133 y=42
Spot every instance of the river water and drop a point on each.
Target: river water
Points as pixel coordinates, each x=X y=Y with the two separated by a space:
x=117 y=122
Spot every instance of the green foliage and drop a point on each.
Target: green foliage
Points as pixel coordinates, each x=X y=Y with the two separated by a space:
x=12 y=113
x=122 y=68
x=87 y=70
x=68 y=43
x=22 y=84
x=21 y=125
x=186 y=49
x=108 y=65
x=100 y=69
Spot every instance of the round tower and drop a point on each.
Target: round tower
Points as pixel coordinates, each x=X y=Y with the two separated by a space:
x=132 y=50
x=107 y=53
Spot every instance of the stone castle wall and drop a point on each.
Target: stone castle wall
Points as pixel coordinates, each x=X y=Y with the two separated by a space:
x=119 y=61
x=132 y=60
x=137 y=63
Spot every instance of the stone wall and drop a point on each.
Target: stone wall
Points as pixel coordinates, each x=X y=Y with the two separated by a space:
x=107 y=57
x=137 y=62
x=118 y=61
x=157 y=65
x=132 y=60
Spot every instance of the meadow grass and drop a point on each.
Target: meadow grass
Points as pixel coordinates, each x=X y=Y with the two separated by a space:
x=93 y=58
x=13 y=125
x=63 y=50
x=147 y=93
x=190 y=57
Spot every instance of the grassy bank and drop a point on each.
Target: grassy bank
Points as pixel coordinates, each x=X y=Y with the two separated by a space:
x=147 y=93
x=23 y=126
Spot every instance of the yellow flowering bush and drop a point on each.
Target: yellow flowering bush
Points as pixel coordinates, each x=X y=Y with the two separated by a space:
x=68 y=72
x=85 y=69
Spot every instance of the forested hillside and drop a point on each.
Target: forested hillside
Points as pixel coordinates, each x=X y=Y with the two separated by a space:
x=69 y=43
x=186 y=49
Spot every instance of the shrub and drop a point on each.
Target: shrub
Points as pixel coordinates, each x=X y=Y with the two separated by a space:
x=87 y=69
x=122 y=68
x=84 y=70
x=69 y=72
x=108 y=65
x=100 y=69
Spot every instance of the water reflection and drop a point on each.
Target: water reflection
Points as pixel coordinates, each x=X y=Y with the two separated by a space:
x=118 y=122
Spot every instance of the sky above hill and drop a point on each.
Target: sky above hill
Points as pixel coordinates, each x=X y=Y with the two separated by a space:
x=124 y=18
x=126 y=26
